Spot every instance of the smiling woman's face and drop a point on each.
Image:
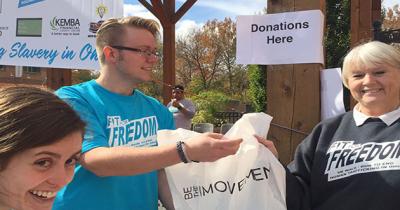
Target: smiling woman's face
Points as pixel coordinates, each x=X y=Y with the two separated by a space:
x=32 y=178
x=377 y=89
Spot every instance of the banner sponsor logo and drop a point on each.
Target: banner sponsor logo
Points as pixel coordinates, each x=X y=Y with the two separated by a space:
x=94 y=26
x=101 y=10
x=23 y=3
x=3 y=28
x=65 y=26
x=29 y=27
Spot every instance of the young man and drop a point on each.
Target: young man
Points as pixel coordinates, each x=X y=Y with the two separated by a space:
x=182 y=109
x=119 y=162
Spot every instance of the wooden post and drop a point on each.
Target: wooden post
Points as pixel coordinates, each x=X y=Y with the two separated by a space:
x=293 y=91
x=165 y=12
x=363 y=14
x=169 y=51
x=57 y=78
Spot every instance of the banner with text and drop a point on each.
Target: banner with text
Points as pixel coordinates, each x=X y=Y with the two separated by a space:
x=53 y=33
x=283 y=38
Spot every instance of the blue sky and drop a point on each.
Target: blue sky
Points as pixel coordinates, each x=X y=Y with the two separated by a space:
x=204 y=10
x=201 y=11
x=390 y=3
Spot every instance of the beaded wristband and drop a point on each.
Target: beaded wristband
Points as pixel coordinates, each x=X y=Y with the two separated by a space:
x=181 y=153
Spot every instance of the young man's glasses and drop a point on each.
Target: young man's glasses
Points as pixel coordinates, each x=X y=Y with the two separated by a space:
x=147 y=53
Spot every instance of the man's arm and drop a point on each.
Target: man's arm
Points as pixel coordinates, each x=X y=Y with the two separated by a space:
x=187 y=109
x=125 y=161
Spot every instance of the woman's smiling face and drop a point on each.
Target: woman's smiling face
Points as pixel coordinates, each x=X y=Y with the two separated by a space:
x=32 y=178
x=376 y=89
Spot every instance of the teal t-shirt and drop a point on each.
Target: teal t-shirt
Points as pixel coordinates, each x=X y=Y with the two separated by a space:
x=113 y=120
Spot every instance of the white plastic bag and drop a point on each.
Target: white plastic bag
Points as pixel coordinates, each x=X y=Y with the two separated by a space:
x=251 y=179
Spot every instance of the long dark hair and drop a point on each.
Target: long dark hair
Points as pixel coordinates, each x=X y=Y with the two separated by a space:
x=32 y=117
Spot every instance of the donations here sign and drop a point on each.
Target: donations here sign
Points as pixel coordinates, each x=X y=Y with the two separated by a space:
x=53 y=33
x=283 y=38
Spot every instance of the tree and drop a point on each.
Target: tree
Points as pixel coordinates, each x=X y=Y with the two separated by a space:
x=391 y=19
x=257 y=91
x=208 y=103
x=206 y=58
x=201 y=53
x=337 y=39
x=227 y=37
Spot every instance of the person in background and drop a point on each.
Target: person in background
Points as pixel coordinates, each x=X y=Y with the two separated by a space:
x=352 y=161
x=182 y=109
x=40 y=143
x=120 y=157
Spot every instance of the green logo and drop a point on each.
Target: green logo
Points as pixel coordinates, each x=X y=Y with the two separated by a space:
x=53 y=24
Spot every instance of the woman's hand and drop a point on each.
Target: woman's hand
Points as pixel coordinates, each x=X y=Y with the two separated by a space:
x=268 y=144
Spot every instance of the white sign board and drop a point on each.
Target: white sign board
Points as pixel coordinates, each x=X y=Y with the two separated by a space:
x=331 y=93
x=53 y=33
x=283 y=38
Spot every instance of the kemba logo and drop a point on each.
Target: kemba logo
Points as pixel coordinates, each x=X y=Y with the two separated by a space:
x=62 y=23
x=23 y=3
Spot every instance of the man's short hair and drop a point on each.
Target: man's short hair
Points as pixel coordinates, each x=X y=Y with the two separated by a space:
x=112 y=31
x=178 y=87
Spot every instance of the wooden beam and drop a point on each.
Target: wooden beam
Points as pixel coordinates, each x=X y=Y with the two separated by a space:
x=280 y=89
x=280 y=105
x=293 y=91
x=182 y=10
x=158 y=15
x=376 y=10
x=160 y=11
x=169 y=51
x=363 y=14
x=148 y=6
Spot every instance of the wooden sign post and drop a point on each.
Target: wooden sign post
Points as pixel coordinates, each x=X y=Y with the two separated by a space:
x=293 y=91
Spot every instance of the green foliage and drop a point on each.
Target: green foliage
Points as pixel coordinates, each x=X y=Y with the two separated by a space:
x=337 y=39
x=195 y=86
x=207 y=104
x=79 y=76
x=257 y=88
x=205 y=59
x=152 y=89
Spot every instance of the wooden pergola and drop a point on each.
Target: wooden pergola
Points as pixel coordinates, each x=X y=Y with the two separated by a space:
x=293 y=90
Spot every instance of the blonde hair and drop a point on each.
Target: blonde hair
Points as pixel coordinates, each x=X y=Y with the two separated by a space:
x=369 y=55
x=112 y=31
